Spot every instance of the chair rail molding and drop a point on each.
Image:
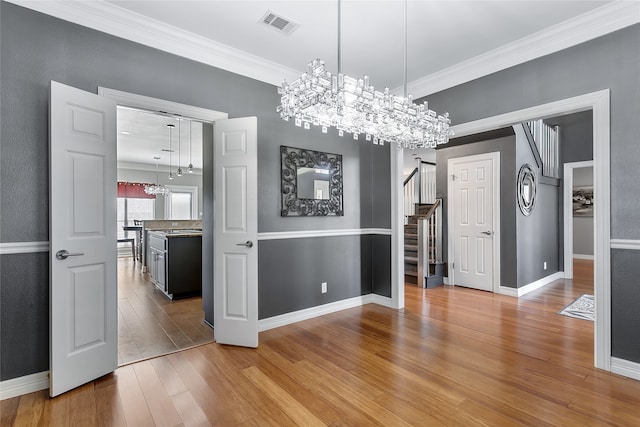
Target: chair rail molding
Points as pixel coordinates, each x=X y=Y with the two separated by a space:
x=9 y=248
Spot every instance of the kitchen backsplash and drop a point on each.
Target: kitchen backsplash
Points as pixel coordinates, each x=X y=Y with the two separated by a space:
x=181 y=224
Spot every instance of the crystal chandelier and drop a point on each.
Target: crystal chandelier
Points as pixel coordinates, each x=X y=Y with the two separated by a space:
x=324 y=99
x=156 y=189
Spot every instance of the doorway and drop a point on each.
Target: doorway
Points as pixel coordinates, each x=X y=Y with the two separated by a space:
x=160 y=192
x=598 y=103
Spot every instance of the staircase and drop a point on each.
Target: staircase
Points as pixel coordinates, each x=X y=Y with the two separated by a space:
x=423 y=266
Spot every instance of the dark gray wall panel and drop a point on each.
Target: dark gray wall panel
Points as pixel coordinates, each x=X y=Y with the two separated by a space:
x=381 y=264
x=507 y=148
x=207 y=222
x=611 y=61
x=625 y=300
x=290 y=273
x=24 y=304
x=537 y=234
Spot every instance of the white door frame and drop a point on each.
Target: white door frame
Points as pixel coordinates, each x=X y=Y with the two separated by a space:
x=598 y=102
x=495 y=161
x=567 y=213
x=191 y=189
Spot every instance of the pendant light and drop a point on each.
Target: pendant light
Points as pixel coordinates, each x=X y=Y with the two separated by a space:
x=179 y=171
x=156 y=189
x=352 y=105
x=190 y=167
x=170 y=126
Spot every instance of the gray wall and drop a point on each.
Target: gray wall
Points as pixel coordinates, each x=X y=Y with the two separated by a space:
x=537 y=234
x=506 y=146
x=36 y=48
x=583 y=225
x=613 y=62
x=207 y=222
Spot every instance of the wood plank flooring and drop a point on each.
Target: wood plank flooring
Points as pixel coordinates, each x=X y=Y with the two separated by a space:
x=453 y=356
x=149 y=324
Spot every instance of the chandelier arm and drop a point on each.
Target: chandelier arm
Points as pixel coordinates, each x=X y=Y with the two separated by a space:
x=339 y=37
x=406 y=93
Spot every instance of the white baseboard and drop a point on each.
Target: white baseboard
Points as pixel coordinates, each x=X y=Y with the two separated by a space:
x=625 y=368
x=523 y=290
x=24 y=385
x=582 y=256
x=310 y=313
x=380 y=300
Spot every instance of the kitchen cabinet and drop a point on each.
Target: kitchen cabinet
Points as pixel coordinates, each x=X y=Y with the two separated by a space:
x=175 y=262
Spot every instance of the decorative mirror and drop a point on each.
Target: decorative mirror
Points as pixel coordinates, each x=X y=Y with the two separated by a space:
x=311 y=182
x=526 y=189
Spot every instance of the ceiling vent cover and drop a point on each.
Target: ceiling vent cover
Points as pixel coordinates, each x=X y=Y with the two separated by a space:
x=278 y=22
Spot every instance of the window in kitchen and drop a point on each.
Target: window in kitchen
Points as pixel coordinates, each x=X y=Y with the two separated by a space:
x=181 y=202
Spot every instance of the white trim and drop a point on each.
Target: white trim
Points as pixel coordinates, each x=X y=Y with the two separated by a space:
x=598 y=102
x=396 y=155
x=445 y=280
x=302 y=234
x=383 y=301
x=129 y=25
x=24 y=385
x=625 y=368
x=495 y=160
x=633 y=245
x=310 y=313
x=567 y=213
x=23 y=247
x=583 y=256
x=132 y=100
x=523 y=290
x=596 y=23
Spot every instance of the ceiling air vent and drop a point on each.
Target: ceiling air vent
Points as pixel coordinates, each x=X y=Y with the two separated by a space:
x=278 y=22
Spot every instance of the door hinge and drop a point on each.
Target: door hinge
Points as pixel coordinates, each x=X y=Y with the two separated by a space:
x=453 y=177
x=453 y=265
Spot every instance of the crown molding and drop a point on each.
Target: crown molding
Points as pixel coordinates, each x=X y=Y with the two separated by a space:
x=119 y=22
x=596 y=23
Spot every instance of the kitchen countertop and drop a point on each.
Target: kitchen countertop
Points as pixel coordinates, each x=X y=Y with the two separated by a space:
x=176 y=233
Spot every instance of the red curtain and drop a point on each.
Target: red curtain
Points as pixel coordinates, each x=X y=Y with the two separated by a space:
x=134 y=190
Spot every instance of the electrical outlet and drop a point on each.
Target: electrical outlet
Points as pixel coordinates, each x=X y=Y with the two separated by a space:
x=324 y=287
x=544 y=265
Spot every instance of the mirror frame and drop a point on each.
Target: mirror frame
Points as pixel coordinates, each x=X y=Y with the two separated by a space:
x=293 y=158
x=526 y=173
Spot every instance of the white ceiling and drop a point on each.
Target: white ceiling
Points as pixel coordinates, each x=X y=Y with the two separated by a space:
x=143 y=135
x=441 y=33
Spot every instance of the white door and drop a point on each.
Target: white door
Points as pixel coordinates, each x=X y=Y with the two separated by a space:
x=82 y=229
x=474 y=226
x=235 y=249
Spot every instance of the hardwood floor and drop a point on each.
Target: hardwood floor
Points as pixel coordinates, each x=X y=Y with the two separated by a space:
x=453 y=356
x=149 y=324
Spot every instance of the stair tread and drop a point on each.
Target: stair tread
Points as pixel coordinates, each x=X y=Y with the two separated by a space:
x=411 y=273
x=411 y=247
x=411 y=258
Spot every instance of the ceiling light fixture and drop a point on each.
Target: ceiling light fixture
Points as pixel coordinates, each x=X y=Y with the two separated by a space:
x=353 y=105
x=170 y=126
x=190 y=167
x=156 y=189
x=179 y=171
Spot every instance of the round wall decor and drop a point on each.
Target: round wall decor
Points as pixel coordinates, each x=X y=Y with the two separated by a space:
x=526 y=189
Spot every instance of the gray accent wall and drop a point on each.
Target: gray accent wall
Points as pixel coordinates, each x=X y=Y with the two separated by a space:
x=537 y=234
x=506 y=146
x=608 y=62
x=36 y=48
x=207 y=222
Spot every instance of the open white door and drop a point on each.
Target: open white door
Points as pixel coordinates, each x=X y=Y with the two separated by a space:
x=235 y=249
x=82 y=229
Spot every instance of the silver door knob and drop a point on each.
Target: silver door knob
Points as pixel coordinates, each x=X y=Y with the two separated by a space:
x=64 y=254
x=488 y=233
x=248 y=244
